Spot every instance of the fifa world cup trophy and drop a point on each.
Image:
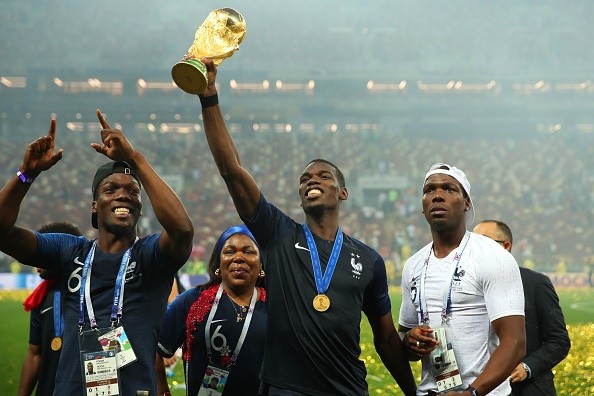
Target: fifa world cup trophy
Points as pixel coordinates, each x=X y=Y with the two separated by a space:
x=218 y=38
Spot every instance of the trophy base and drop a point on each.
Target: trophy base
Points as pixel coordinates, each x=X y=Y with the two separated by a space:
x=190 y=76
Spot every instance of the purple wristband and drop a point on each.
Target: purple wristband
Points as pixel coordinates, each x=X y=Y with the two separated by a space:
x=24 y=178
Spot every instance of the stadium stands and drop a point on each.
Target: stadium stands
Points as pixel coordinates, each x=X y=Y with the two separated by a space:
x=502 y=90
x=541 y=186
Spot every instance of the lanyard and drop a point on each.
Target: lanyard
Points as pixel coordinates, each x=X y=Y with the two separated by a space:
x=446 y=309
x=85 y=289
x=322 y=282
x=58 y=317
x=244 y=329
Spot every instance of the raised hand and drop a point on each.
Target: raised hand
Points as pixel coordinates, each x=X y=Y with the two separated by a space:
x=115 y=146
x=211 y=74
x=40 y=155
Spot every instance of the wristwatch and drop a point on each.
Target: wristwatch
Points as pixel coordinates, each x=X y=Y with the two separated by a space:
x=473 y=392
x=528 y=371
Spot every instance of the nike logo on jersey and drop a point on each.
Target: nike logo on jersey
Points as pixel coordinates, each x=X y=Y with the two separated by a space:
x=298 y=246
x=45 y=310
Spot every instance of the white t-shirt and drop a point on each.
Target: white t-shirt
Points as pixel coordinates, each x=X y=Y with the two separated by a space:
x=486 y=287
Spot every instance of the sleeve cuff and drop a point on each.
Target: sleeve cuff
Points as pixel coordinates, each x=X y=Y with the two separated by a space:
x=527 y=368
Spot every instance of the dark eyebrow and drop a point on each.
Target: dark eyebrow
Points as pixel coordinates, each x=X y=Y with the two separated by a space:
x=321 y=172
x=115 y=183
x=442 y=184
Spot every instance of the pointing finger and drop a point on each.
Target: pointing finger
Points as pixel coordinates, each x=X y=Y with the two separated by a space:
x=104 y=123
x=52 y=129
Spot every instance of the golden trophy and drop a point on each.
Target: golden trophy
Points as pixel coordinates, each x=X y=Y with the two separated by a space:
x=218 y=38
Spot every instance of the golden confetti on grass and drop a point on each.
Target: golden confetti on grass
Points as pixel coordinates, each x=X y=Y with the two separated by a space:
x=573 y=376
x=14 y=295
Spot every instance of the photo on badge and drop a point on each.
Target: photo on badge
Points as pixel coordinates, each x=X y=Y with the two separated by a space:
x=213 y=382
x=100 y=373
x=117 y=340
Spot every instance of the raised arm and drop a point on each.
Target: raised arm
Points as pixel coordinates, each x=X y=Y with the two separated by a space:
x=178 y=232
x=18 y=242
x=392 y=352
x=242 y=187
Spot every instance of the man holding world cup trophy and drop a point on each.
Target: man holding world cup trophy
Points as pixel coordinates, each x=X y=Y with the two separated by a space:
x=217 y=38
x=321 y=280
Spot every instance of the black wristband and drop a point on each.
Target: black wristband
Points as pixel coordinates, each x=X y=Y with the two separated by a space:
x=209 y=101
x=472 y=391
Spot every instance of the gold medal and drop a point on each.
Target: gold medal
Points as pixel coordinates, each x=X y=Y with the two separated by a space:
x=56 y=343
x=321 y=303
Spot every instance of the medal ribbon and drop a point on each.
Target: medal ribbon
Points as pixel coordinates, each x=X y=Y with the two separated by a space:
x=323 y=282
x=244 y=329
x=85 y=289
x=58 y=317
x=446 y=309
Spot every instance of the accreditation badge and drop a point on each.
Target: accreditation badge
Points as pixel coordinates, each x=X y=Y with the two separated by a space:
x=99 y=366
x=100 y=373
x=213 y=382
x=117 y=337
x=442 y=361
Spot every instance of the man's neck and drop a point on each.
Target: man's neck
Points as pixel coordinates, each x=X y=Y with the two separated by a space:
x=325 y=227
x=446 y=241
x=111 y=243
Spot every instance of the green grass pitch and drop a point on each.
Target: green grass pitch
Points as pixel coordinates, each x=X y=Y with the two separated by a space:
x=574 y=376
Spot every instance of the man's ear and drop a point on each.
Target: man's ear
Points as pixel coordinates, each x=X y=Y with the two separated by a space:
x=344 y=194
x=466 y=204
x=94 y=207
x=507 y=245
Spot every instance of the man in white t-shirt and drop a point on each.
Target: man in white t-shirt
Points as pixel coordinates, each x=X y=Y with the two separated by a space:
x=464 y=290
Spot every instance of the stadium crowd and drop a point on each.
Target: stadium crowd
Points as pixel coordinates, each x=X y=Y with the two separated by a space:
x=541 y=186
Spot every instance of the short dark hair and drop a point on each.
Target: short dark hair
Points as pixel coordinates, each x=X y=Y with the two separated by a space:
x=338 y=172
x=61 y=227
x=503 y=229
